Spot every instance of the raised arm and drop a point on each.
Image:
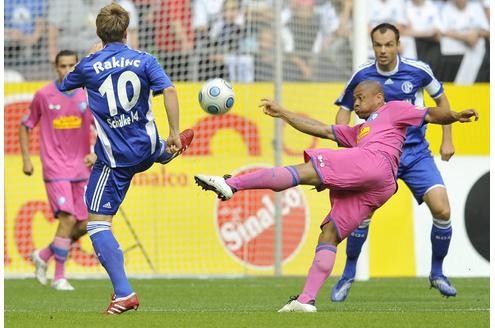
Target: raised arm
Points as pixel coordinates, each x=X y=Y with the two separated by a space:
x=441 y=116
x=299 y=122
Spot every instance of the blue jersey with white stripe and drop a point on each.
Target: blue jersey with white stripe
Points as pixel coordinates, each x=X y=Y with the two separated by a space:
x=120 y=82
x=406 y=82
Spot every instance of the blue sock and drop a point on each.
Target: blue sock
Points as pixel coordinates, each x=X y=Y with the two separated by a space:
x=440 y=242
x=110 y=256
x=355 y=243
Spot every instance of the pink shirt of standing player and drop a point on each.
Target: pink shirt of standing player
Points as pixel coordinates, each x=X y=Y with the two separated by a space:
x=65 y=120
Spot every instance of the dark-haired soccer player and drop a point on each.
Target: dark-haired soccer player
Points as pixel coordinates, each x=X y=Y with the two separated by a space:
x=120 y=82
x=361 y=178
x=404 y=79
x=65 y=128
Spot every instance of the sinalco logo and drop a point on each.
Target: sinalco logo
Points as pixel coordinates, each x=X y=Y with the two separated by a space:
x=246 y=224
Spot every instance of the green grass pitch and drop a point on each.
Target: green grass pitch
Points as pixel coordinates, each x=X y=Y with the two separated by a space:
x=248 y=302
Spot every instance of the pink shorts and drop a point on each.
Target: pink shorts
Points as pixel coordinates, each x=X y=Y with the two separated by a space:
x=360 y=182
x=67 y=196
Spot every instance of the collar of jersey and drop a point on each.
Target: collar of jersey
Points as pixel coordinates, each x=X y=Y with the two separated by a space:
x=115 y=45
x=392 y=72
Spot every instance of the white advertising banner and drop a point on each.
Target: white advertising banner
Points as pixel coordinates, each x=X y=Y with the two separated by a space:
x=467 y=180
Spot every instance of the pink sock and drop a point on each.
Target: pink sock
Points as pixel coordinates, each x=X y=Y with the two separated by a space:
x=46 y=253
x=276 y=179
x=60 y=247
x=318 y=273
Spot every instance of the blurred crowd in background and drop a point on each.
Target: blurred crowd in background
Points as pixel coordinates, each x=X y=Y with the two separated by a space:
x=234 y=39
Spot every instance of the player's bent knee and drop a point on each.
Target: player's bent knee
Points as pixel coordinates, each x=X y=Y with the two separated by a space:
x=329 y=234
x=308 y=174
x=66 y=219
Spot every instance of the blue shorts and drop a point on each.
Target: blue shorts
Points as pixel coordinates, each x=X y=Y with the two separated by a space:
x=418 y=170
x=108 y=186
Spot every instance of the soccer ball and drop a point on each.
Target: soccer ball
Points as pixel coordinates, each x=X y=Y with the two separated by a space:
x=216 y=96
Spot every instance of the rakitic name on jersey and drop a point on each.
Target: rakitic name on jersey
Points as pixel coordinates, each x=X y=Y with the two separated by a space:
x=123 y=120
x=109 y=64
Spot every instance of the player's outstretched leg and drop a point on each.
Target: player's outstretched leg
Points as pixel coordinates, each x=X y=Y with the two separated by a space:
x=355 y=243
x=186 y=138
x=441 y=233
x=276 y=179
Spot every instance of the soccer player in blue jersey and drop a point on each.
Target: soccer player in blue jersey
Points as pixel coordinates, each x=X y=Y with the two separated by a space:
x=404 y=79
x=119 y=82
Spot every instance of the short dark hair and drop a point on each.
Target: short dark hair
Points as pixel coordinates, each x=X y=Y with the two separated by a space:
x=64 y=53
x=111 y=23
x=383 y=27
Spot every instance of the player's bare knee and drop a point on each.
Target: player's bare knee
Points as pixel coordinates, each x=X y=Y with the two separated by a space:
x=329 y=234
x=66 y=223
x=308 y=174
x=441 y=213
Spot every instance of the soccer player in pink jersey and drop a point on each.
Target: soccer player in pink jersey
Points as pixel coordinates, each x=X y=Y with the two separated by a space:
x=65 y=134
x=361 y=177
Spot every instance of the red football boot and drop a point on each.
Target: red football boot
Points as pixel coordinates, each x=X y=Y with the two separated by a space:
x=123 y=304
x=186 y=138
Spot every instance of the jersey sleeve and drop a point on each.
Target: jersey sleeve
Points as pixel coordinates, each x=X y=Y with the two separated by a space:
x=31 y=119
x=404 y=114
x=346 y=136
x=74 y=79
x=432 y=85
x=157 y=77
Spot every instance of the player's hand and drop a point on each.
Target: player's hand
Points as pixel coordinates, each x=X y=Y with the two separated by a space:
x=89 y=159
x=447 y=151
x=27 y=167
x=174 y=144
x=271 y=108
x=466 y=115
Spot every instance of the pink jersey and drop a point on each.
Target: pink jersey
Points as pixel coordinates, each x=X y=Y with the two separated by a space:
x=384 y=131
x=65 y=121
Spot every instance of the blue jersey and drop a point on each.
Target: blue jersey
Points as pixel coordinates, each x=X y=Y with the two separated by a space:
x=120 y=82
x=406 y=82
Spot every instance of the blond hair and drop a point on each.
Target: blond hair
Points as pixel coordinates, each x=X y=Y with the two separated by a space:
x=111 y=23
